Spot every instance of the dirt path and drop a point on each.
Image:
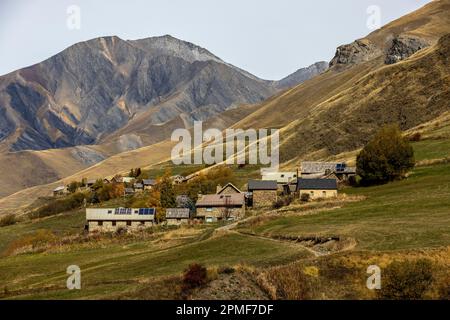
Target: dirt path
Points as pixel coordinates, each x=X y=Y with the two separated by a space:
x=230 y=228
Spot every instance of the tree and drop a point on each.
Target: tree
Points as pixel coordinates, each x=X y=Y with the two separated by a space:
x=73 y=186
x=387 y=157
x=167 y=192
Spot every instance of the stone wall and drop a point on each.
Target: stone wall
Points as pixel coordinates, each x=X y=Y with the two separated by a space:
x=218 y=212
x=264 y=198
x=107 y=226
x=176 y=222
x=319 y=194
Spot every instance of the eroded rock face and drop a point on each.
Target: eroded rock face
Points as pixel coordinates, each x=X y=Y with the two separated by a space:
x=403 y=47
x=355 y=52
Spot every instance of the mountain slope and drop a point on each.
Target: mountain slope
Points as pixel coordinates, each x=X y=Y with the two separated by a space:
x=94 y=88
x=385 y=77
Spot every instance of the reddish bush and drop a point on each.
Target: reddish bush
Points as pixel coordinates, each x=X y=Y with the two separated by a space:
x=195 y=276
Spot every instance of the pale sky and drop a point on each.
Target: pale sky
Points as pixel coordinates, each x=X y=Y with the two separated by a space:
x=270 y=39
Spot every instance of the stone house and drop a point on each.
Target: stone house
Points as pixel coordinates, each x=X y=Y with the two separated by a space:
x=216 y=207
x=315 y=169
x=317 y=188
x=112 y=219
x=149 y=184
x=264 y=192
x=177 y=216
x=280 y=177
x=60 y=191
x=138 y=187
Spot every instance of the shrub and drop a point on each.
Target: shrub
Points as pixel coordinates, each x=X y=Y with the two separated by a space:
x=444 y=289
x=226 y=270
x=32 y=242
x=278 y=203
x=71 y=202
x=195 y=276
x=305 y=197
x=415 y=137
x=290 y=283
x=283 y=201
x=8 y=220
x=406 y=280
x=121 y=231
x=387 y=157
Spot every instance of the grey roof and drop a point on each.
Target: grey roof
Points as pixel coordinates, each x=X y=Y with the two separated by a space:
x=177 y=213
x=262 y=185
x=138 y=185
x=316 y=184
x=149 y=182
x=317 y=167
x=129 y=190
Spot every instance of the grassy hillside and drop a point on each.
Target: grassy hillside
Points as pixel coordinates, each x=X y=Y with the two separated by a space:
x=402 y=215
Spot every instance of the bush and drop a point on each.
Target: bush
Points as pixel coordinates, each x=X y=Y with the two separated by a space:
x=32 y=242
x=8 y=220
x=305 y=197
x=290 y=283
x=415 y=137
x=444 y=289
x=226 y=270
x=71 y=202
x=283 y=202
x=195 y=276
x=387 y=157
x=406 y=280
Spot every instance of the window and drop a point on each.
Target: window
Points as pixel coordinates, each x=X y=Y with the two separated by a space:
x=136 y=211
x=312 y=193
x=128 y=223
x=113 y=223
x=109 y=211
x=142 y=223
x=282 y=175
x=100 y=223
x=324 y=193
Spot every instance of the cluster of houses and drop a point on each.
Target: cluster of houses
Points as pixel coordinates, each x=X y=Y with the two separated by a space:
x=131 y=186
x=315 y=180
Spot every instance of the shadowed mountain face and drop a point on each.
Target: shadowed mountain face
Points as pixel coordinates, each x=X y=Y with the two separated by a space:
x=90 y=90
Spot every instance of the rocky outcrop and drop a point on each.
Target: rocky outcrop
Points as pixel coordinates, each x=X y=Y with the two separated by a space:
x=302 y=75
x=403 y=47
x=356 y=52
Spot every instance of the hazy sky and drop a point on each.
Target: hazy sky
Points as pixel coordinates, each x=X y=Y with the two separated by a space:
x=270 y=39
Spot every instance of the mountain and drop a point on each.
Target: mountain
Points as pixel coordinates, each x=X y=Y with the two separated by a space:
x=302 y=75
x=91 y=90
x=399 y=73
